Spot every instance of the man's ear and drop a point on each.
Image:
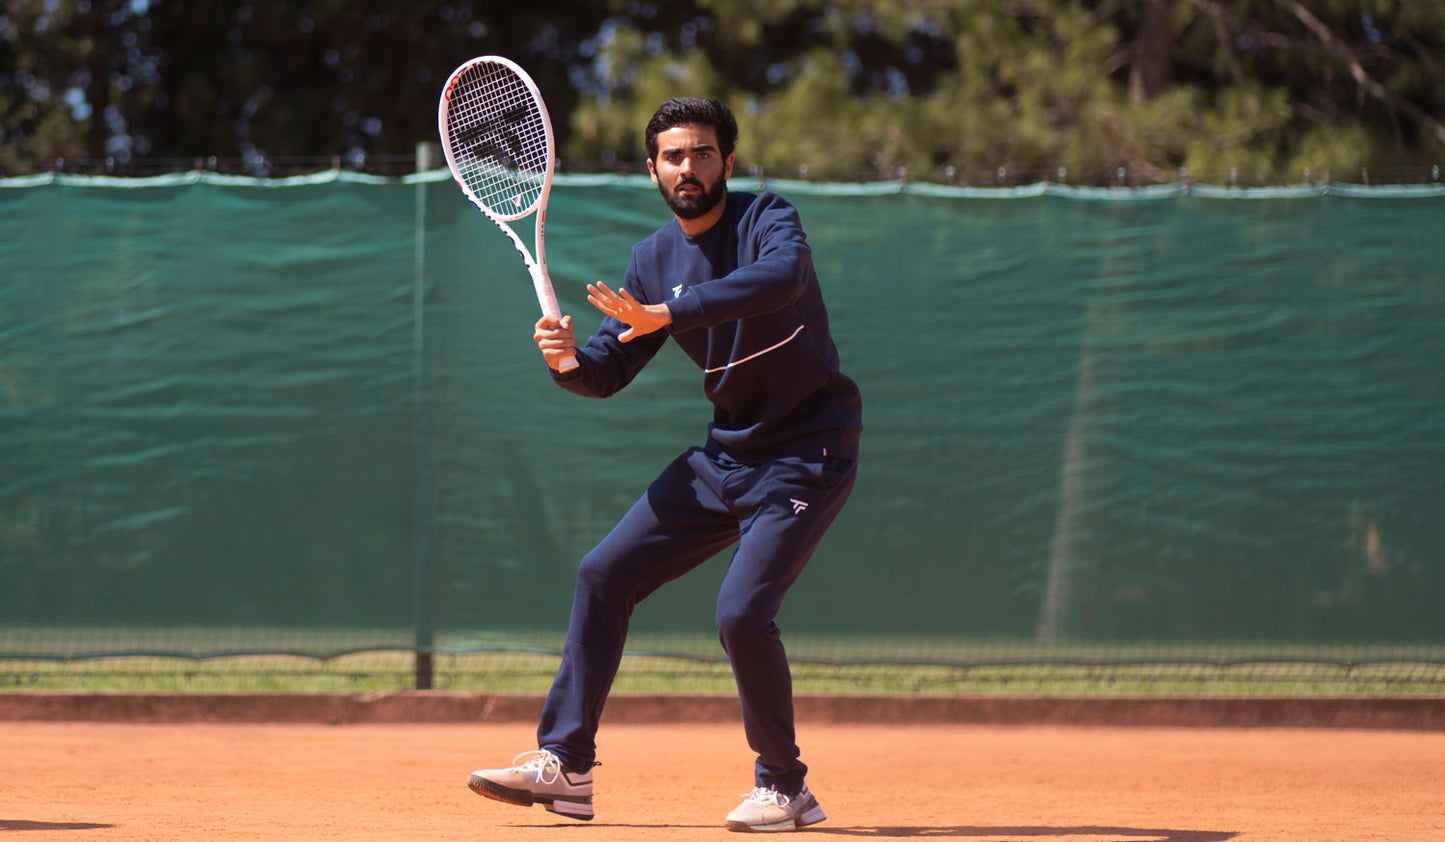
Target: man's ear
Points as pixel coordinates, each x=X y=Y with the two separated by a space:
x=652 y=171
x=728 y=166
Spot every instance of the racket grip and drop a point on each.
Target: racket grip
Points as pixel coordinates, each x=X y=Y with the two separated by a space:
x=568 y=363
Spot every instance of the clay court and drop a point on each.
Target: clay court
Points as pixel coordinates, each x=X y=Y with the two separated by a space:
x=89 y=780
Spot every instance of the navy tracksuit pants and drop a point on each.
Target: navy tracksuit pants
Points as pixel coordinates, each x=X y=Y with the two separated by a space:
x=702 y=503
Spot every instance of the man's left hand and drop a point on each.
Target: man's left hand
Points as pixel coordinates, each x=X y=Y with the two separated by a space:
x=641 y=319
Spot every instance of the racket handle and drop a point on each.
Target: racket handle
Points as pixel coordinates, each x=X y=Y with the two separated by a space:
x=545 y=294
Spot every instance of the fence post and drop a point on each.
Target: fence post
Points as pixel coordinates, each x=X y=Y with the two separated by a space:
x=428 y=157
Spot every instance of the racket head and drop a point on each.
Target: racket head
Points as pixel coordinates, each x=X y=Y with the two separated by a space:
x=497 y=136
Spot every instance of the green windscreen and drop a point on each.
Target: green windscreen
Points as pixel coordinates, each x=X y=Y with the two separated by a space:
x=308 y=416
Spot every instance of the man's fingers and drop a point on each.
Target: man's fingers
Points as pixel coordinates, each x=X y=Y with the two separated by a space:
x=622 y=306
x=550 y=332
x=617 y=306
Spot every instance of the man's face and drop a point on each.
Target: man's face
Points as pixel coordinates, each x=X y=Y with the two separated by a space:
x=690 y=170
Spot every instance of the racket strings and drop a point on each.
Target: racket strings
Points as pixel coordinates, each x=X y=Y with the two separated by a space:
x=498 y=139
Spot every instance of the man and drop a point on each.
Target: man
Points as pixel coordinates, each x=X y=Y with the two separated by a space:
x=731 y=280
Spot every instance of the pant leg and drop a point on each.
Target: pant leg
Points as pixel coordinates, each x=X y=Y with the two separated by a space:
x=791 y=504
x=678 y=524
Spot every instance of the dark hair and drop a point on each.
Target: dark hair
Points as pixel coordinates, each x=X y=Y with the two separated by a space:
x=691 y=111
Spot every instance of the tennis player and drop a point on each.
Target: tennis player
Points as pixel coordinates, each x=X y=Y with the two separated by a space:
x=730 y=278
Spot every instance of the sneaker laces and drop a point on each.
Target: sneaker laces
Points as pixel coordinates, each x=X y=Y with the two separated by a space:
x=766 y=797
x=541 y=763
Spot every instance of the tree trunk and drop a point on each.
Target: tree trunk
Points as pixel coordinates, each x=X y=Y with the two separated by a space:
x=1149 y=71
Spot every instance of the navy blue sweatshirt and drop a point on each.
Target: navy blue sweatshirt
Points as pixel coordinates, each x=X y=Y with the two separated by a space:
x=746 y=308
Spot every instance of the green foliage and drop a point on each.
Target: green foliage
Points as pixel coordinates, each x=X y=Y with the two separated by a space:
x=1244 y=90
x=32 y=113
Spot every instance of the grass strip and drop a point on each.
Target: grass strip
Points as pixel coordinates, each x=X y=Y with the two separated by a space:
x=514 y=672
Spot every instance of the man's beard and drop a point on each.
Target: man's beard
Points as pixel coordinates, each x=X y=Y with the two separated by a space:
x=692 y=207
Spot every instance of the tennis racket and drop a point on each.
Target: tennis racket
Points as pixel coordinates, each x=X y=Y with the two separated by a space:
x=497 y=138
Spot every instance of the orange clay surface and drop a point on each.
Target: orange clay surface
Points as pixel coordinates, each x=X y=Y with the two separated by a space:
x=106 y=781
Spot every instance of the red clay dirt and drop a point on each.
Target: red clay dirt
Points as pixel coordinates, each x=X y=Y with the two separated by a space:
x=116 y=781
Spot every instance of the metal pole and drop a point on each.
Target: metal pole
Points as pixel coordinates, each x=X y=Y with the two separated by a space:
x=428 y=156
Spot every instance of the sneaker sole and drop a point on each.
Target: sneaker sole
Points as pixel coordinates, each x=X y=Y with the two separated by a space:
x=809 y=817
x=579 y=810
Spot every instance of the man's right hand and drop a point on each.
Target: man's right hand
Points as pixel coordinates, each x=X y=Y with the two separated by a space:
x=556 y=339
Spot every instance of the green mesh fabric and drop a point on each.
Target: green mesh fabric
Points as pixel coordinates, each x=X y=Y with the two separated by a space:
x=308 y=415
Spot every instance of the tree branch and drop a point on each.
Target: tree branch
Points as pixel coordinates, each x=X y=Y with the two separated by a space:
x=1221 y=31
x=1362 y=78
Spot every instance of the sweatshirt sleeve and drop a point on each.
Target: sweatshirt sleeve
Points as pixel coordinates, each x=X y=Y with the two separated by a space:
x=776 y=277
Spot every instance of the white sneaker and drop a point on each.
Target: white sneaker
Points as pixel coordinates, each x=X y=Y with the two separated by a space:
x=767 y=810
x=537 y=777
